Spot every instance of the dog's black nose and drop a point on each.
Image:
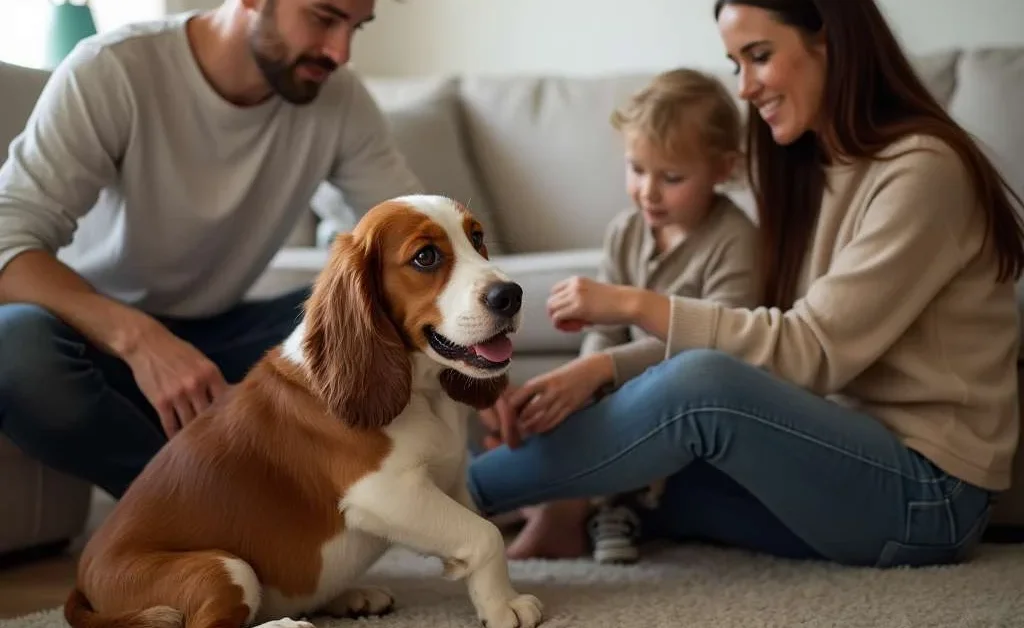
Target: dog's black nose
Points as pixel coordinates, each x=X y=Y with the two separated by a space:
x=504 y=299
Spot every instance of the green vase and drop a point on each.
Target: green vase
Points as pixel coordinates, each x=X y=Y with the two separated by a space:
x=70 y=22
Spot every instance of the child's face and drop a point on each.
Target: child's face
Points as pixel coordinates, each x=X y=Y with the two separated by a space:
x=669 y=191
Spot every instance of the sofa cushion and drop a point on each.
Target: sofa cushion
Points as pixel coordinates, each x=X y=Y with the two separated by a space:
x=938 y=73
x=545 y=149
x=423 y=115
x=21 y=88
x=987 y=102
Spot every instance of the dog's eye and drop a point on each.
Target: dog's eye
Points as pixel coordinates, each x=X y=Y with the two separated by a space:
x=427 y=258
x=477 y=238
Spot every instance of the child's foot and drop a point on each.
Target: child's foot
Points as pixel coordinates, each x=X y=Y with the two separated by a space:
x=556 y=530
x=615 y=531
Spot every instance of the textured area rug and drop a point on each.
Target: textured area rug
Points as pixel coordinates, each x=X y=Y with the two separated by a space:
x=698 y=586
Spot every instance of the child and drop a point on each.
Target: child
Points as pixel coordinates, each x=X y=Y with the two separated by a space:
x=682 y=140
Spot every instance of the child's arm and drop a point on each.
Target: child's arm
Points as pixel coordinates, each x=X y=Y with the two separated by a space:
x=611 y=271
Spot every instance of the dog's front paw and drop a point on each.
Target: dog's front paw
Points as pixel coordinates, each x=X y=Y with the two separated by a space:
x=522 y=611
x=361 y=602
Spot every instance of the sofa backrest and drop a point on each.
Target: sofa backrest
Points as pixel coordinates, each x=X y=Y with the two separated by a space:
x=19 y=89
x=552 y=167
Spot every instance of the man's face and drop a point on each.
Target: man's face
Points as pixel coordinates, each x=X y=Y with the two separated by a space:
x=297 y=44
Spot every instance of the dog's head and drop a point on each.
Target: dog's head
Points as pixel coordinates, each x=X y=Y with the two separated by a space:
x=413 y=276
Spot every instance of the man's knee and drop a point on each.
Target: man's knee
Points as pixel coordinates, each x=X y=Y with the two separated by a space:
x=30 y=350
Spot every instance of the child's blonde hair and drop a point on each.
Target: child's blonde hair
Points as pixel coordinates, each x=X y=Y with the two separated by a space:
x=680 y=107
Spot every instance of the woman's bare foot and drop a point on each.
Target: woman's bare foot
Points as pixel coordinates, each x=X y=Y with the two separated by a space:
x=554 y=530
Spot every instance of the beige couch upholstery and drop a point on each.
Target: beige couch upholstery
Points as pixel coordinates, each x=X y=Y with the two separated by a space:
x=536 y=158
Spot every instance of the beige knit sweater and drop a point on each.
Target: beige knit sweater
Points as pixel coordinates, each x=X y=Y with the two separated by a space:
x=899 y=313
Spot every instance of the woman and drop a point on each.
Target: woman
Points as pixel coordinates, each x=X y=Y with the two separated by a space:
x=866 y=414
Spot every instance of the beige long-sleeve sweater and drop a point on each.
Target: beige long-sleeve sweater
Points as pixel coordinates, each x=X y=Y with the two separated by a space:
x=716 y=261
x=898 y=315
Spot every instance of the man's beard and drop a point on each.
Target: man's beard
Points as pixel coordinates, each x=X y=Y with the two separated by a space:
x=271 y=57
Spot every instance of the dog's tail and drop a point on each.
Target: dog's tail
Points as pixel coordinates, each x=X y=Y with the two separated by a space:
x=79 y=614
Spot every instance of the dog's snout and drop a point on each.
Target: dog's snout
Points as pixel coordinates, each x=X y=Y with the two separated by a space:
x=504 y=298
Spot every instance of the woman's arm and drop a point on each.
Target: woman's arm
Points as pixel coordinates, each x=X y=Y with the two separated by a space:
x=920 y=228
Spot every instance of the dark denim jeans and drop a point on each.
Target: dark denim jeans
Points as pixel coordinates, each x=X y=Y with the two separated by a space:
x=78 y=409
x=752 y=462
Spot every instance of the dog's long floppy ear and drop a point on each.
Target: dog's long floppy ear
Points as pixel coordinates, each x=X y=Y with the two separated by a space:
x=477 y=393
x=358 y=362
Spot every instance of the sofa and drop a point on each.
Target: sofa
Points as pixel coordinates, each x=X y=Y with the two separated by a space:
x=535 y=158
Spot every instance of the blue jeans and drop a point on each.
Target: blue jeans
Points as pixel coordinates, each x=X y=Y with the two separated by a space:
x=751 y=462
x=78 y=409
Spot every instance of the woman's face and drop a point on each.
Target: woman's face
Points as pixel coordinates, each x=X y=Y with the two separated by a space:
x=781 y=72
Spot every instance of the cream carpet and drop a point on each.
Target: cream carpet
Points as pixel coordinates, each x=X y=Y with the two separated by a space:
x=698 y=586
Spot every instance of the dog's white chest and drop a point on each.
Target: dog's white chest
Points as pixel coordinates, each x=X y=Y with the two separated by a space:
x=436 y=437
x=345 y=558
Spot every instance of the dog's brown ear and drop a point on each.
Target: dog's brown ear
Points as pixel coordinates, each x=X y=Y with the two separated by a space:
x=358 y=362
x=477 y=393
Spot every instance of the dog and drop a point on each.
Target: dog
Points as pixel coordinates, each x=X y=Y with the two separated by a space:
x=348 y=437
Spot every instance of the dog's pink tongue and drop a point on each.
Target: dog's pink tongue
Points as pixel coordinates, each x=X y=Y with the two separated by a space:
x=497 y=349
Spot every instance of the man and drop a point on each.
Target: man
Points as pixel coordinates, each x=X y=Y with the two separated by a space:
x=164 y=165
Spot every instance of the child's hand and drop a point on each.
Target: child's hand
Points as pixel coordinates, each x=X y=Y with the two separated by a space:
x=545 y=401
x=579 y=301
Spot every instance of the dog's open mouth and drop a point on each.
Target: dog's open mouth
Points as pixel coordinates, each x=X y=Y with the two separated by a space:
x=493 y=353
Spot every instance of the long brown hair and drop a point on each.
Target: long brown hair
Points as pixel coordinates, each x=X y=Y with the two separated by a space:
x=892 y=102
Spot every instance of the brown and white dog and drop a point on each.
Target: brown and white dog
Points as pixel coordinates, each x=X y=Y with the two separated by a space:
x=348 y=437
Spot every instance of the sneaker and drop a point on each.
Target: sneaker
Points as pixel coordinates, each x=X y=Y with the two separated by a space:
x=614 y=531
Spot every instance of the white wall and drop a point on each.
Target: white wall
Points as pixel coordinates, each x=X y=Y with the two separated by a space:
x=597 y=36
x=24 y=24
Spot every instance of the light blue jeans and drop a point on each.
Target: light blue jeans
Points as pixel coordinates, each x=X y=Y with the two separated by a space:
x=752 y=462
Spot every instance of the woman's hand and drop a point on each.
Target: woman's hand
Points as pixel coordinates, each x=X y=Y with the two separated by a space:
x=545 y=401
x=177 y=379
x=500 y=421
x=579 y=301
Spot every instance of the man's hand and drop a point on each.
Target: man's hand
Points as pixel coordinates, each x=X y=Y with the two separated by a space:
x=174 y=376
x=545 y=401
x=500 y=421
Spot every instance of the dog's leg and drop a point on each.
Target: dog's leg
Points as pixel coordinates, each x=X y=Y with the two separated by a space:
x=408 y=508
x=205 y=589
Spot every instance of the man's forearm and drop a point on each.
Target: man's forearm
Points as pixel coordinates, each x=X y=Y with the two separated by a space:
x=39 y=278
